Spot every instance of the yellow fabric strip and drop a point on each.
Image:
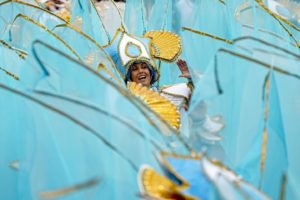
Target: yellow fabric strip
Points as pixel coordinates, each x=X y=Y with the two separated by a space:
x=68 y=190
x=207 y=34
x=10 y=74
x=22 y=54
x=279 y=19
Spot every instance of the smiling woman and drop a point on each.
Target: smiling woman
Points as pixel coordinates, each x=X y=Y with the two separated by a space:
x=141 y=73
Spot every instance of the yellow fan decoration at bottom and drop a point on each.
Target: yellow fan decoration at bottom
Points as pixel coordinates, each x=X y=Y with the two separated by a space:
x=156 y=186
x=162 y=106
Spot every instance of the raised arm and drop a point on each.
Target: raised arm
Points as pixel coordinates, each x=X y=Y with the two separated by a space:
x=185 y=73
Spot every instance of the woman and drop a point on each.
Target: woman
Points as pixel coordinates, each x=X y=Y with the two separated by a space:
x=143 y=73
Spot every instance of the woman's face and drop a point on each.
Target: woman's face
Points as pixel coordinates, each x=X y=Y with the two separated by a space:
x=140 y=73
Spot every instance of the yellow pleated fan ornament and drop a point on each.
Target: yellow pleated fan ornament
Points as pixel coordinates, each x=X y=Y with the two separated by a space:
x=162 y=106
x=164 y=45
x=157 y=186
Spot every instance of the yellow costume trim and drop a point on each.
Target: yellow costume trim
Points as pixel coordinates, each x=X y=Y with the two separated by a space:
x=128 y=54
x=279 y=19
x=164 y=45
x=22 y=54
x=114 y=37
x=49 y=31
x=207 y=34
x=66 y=24
x=222 y=166
x=68 y=190
x=263 y=64
x=160 y=187
x=270 y=33
x=199 y=157
x=166 y=164
x=102 y=66
x=260 y=2
x=163 y=107
x=10 y=74
x=265 y=131
x=93 y=41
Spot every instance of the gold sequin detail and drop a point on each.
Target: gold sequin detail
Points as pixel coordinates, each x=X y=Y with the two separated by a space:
x=49 y=31
x=10 y=74
x=279 y=19
x=68 y=190
x=159 y=187
x=22 y=54
x=208 y=35
x=164 y=45
x=163 y=107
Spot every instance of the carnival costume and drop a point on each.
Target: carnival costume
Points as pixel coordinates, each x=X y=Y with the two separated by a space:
x=74 y=126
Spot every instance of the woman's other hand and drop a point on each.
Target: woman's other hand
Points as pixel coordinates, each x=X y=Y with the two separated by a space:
x=185 y=73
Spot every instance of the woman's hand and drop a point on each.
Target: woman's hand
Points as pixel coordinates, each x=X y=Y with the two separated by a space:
x=185 y=73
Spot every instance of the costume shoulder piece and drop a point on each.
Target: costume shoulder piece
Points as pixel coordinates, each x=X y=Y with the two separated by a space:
x=165 y=109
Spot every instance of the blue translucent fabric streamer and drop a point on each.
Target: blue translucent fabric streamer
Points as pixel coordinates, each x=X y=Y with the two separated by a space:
x=56 y=76
x=47 y=163
x=276 y=163
x=122 y=139
x=239 y=93
x=53 y=152
x=191 y=171
x=63 y=156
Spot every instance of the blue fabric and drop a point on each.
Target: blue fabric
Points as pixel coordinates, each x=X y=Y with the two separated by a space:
x=191 y=171
x=69 y=117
